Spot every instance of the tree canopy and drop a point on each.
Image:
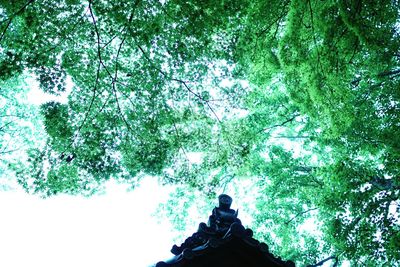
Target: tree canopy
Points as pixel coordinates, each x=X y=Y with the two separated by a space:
x=295 y=102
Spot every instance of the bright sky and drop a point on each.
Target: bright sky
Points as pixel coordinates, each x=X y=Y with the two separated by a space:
x=115 y=229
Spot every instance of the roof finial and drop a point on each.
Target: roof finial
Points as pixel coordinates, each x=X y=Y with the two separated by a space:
x=225 y=202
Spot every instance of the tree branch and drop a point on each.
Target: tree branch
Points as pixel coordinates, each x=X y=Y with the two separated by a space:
x=325 y=260
x=179 y=139
x=279 y=125
x=13 y=16
x=179 y=81
x=63 y=35
x=388 y=73
x=299 y=214
x=383 y=74
x=313 y=33
x=9 y=151
x=97 y=72
x=291 y=137
x=6 y=124
x=275 y=21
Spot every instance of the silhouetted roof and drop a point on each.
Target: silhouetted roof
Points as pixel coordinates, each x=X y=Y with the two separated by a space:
x=223 y=242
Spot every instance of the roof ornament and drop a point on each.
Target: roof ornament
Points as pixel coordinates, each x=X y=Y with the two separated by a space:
x=223 y=216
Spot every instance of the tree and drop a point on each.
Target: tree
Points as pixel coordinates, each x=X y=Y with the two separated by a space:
x=298 y=100
x=142 y=72
x=338 y=63
x=340 y=81
x=19 y=127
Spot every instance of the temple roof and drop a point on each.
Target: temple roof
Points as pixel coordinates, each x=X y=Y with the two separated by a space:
x=223 y=242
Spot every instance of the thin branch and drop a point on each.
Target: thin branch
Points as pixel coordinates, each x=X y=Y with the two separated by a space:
x=98 y=69
x=306 y=169
x=279 y=125
x=92 y=99
x=9 y=151
x=109 y=42
x=291 y=137
x=325 y=260
x=160 y=5
x=94 y=91
x=115 y=90
x=120 y=110
x=13 y=16
x=16 y=116
x=63 y=34
x=5 y=147
x=101 y=64
x=179 y=140
x=6 y=124
x=226 y=182
x=354 y=53
x=313 y=33
x=386 y=216
x=388 y=73
x=275 y=21
x=114 y=79
x=339 y=38
x=5 y=30
x=315 y=180
x=383 y=74
x=127 y=98
x=116 y=35
x=97 y=32
x=104 y=104
x=181 y=82
x=299 y=214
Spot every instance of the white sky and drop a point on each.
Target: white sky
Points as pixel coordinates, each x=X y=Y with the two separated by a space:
x=115 y=229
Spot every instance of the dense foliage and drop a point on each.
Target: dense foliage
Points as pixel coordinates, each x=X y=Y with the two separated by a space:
x=294 y=102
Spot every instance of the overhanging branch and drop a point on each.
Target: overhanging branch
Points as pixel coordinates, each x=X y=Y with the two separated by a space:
x=279 y=125
x=9 y=20
x=325 y=260
x=299 y=214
